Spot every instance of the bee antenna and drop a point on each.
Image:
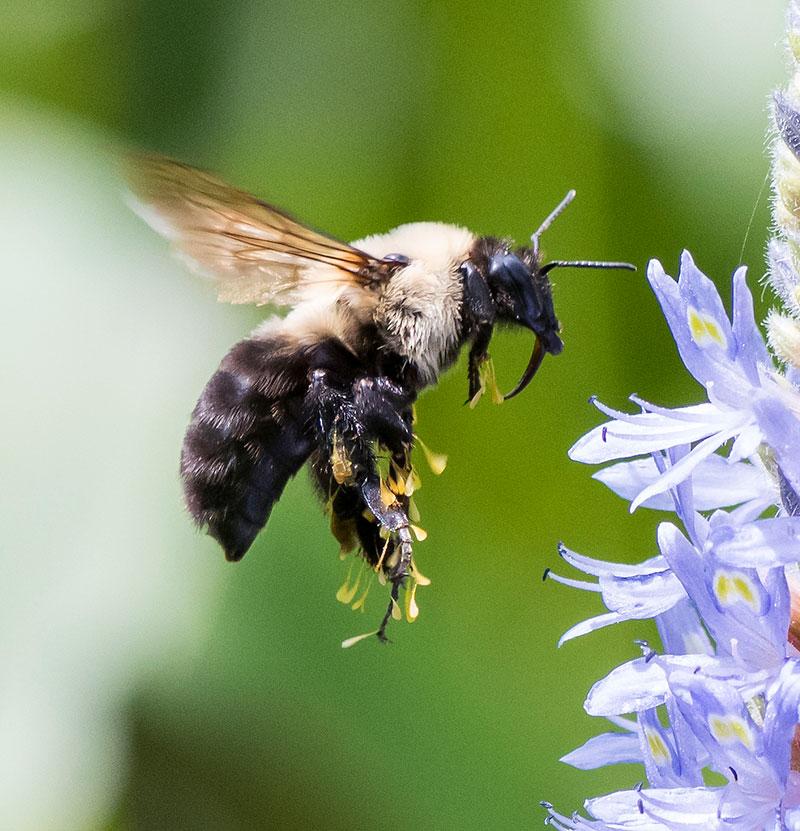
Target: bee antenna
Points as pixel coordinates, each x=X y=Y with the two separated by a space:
x=584 y=264
x=549 y=220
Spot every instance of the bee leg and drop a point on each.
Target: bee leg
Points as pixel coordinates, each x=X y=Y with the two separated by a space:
x=372 y=410
x=479 y=316
x=330 y=411
x=384 y=410
x=478 y=353
x=381 y=633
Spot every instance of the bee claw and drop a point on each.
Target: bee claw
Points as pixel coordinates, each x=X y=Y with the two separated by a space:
x=400 y=570
x=397 y=576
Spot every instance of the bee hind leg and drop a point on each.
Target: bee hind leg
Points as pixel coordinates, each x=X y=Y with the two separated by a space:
x=348 y=421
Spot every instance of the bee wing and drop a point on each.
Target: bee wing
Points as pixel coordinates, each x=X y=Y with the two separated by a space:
x=256 y=253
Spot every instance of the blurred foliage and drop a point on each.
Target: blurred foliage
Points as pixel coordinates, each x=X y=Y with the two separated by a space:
x=358 y=117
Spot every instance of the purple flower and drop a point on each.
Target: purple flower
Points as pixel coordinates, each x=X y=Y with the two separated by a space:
x=723 y=694
x=748 y=402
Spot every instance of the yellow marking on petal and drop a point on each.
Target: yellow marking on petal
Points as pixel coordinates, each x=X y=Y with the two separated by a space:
x=729 y=730
x=745 y=589
x=705 y=329
x=420 y=533
x=397 y=614
x=722 y=588
x=413 y=483
x=735 y=587
x=413 y=511
x=346 y=644
x=412 y=610
x=658 y=747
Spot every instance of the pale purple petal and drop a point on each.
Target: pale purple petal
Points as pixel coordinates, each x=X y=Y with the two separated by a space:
x=671 y=809
x=737 y=629
x=641 y=684
x=716 y=483
x=710 y=362
x=700 y=293
x=605 y=749
x=633 y=686
x=702 y=333
x=681 y=631
x=643 y=596
x=781 y=430
x=677 y=473
x=646 y=432
x=781 y=717
x=746 y=444
x=591 y=624
x=750 y=348
x=662 y=763
x=601 y=567
x=765 y=543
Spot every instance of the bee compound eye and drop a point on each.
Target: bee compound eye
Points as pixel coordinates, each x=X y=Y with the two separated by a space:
x=399 y=259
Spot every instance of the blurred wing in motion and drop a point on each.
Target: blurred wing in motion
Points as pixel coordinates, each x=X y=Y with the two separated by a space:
x=256 y=253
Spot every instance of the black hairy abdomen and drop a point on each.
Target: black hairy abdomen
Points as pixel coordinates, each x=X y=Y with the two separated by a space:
x=245 y=441
x=250 y=434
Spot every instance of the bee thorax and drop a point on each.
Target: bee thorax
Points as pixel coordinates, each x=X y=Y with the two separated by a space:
x=419 y=315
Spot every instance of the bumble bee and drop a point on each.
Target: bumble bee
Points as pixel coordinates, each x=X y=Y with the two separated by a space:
x=333 y=382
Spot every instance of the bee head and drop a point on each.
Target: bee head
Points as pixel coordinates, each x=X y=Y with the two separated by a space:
x=515 y=289
x=521 y=294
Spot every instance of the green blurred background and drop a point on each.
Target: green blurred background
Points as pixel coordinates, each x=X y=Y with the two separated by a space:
x=146 y=683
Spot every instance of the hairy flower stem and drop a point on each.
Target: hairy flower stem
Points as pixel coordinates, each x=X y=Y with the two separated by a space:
x=783 y=328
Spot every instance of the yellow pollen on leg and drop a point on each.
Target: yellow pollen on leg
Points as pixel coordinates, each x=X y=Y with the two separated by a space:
x=658 y=748
x=344 y=589
x=420 y=533
x=437 y=462
x=347 y=593
x=418 y=576
x=359 y=604
x=387 y=497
